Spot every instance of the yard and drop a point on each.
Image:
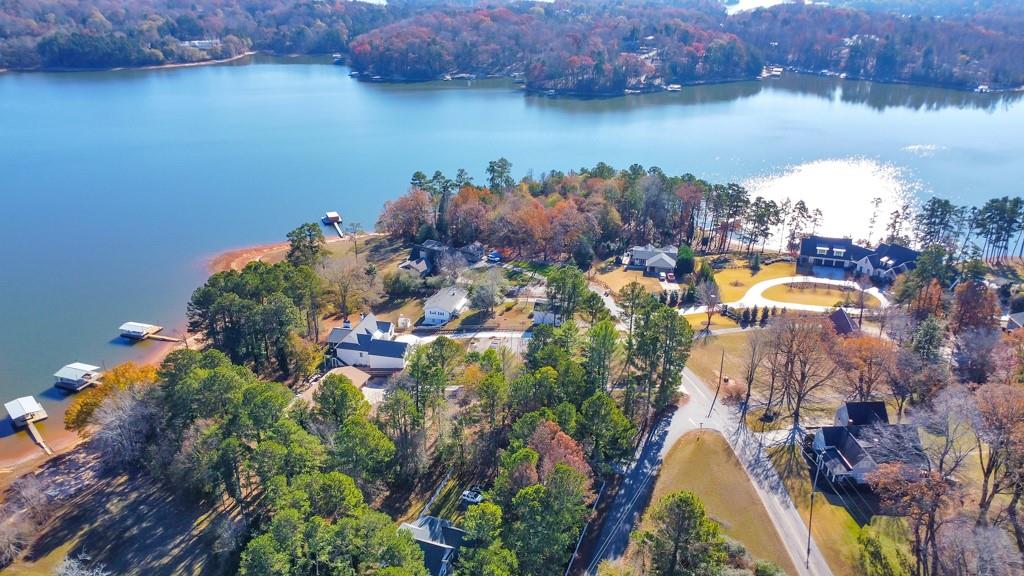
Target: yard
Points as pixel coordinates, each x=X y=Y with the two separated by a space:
x=706 y=356
x=835 y=530
x=817 y=294
x=700 y=321
x=733 y=283
x=615 y=278
x=703 y=463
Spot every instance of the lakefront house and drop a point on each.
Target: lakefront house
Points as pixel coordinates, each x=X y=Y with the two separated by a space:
x=650 y=259
x=369 y=344
x=885 y=262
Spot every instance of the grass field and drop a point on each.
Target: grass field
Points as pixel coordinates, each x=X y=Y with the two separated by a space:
x=817 y=295
x=703 y=463
x=733 y=283
x=706 y=356
x=699 y=321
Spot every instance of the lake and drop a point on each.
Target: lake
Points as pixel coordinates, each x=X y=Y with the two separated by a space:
x=118 y=186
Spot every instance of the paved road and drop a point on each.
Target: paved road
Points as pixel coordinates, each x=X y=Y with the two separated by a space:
x=638 y=481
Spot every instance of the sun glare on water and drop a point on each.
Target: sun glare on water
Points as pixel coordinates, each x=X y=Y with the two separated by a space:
x=844 y=190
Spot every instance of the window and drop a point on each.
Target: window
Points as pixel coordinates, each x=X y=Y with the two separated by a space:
x=822 y=250
x=839 y=252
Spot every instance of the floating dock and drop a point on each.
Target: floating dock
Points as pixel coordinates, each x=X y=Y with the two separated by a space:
x=76 y=376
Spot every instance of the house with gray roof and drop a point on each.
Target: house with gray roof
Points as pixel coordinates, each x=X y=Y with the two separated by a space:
x=886 y=261
x=861 y=440
x=370 y=344
x=446 y=304
x=650 y=259
x=439 y=540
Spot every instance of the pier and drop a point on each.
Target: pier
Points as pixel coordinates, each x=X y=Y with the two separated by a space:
x=38 y=438
x=140 y=331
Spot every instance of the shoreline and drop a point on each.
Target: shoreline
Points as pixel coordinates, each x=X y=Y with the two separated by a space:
x=170 y=66
x=29 y=458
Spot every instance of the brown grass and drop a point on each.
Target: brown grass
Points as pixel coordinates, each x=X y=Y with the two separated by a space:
x=703 y=463
x=733 y=283
x=617 y=278
x=818 y=295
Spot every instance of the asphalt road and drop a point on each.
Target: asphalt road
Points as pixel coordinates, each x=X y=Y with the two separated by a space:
x=638 y=481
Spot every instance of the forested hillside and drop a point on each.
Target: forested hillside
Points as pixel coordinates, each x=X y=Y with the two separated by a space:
x=565 y=47
x=881 y=46
x=587 y=48
x=112 y=33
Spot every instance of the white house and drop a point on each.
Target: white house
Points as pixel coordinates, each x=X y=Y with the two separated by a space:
x=650 y=259
x=76 y=376
x=371 y=344
x=448 y=303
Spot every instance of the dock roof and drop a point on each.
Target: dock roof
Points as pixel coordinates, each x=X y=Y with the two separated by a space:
x=75 y=371
x=136 y=327
x=21 y=407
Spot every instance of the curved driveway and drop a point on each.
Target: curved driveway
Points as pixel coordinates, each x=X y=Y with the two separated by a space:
x=755 y=295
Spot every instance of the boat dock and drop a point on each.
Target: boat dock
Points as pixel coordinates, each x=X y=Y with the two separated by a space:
x=334 y=219
x=24 y=412
x=141 y=331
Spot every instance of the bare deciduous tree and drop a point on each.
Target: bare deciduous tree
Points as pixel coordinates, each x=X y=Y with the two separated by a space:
x=805 y=347
x=753 y=358
x=124 y=421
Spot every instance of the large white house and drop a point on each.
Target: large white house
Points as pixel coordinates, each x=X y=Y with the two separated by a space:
x=448 y=303
x=371 y=344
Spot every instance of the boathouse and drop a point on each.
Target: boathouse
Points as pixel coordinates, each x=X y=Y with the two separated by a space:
x=138 y=330
x=76 y=376
x=24 y=411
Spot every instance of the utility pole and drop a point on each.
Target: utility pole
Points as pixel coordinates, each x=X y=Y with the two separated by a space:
x=721 y=367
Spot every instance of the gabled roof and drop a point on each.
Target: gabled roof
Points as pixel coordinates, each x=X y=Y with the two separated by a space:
x=849 y=451
x=866 y=413
x=449 y=299
x=889 y=256
x=809 y=246
x=387 y=348
x=650 y=251
x=842 y=322
x=661 y=260
x=23 y=406
x=75 y=371
x=438 y=539
x=1015 y=321
x=433 y=245
x=418 y=265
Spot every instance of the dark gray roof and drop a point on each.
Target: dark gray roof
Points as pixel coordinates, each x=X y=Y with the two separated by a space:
x=890 y=256
x=437 y=538
x=845 y=445
x=842 y=322
x=389 y=348
x=866 y=413
x=650 y=251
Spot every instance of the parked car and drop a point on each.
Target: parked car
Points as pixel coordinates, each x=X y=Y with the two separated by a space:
x=474 y=495
x=661 y=276
x=671 y=276
x=494 y=257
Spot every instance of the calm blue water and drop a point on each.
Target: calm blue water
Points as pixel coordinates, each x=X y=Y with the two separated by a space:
x=116 y=186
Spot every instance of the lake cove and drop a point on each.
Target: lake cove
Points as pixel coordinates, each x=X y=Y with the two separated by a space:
x=118 y=187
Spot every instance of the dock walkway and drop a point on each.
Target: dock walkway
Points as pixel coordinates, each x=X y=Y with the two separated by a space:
x=38 y=438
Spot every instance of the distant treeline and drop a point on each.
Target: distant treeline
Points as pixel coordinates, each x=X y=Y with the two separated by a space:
x=588 y=48
x=115 y=33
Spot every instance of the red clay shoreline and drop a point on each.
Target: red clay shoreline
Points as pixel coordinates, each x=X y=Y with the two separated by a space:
x=29 y=458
